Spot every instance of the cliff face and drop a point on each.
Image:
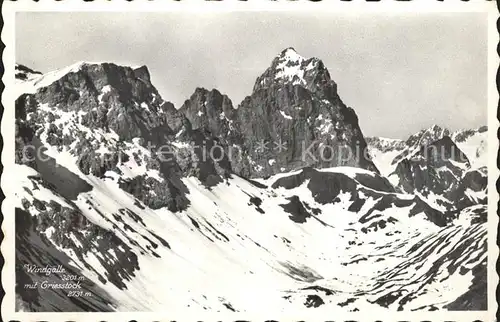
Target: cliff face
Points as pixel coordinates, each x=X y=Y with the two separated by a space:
x=105 y=117
x=293 y=118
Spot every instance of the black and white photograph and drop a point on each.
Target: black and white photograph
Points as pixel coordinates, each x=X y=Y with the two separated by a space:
x=301 y=163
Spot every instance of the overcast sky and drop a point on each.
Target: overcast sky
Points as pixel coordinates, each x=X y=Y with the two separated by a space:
x=399 y=73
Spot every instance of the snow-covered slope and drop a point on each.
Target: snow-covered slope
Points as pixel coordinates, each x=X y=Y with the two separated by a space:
x=186 y=233
x=474 y=143
x=383 y=151
x=287 y=246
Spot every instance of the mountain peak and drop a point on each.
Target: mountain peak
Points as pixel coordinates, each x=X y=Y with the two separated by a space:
x=436 y=128
x=290 y=68
x=31 y=82
x=291 y=49
x=290 y=54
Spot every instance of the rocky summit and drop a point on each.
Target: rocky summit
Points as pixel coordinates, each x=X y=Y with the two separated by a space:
x=271 y=205
x=293 y=118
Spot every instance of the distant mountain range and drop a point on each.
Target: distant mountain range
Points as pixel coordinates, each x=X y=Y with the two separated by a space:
x=387 y=152
x=448 y=170
x=272 y=205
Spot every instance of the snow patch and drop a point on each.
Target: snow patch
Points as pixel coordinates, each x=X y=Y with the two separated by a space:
x=288 y=117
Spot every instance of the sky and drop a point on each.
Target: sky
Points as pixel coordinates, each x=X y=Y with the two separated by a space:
x=399 y=73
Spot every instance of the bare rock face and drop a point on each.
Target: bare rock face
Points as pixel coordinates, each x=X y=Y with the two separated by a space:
x=209 y=110
x=294 y=118
x=435 y=167
x=111 y=118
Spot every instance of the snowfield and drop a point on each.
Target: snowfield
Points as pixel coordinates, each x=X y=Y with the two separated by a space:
x=238 y=248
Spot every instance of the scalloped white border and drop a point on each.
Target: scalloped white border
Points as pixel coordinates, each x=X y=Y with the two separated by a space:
x=339 y=7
